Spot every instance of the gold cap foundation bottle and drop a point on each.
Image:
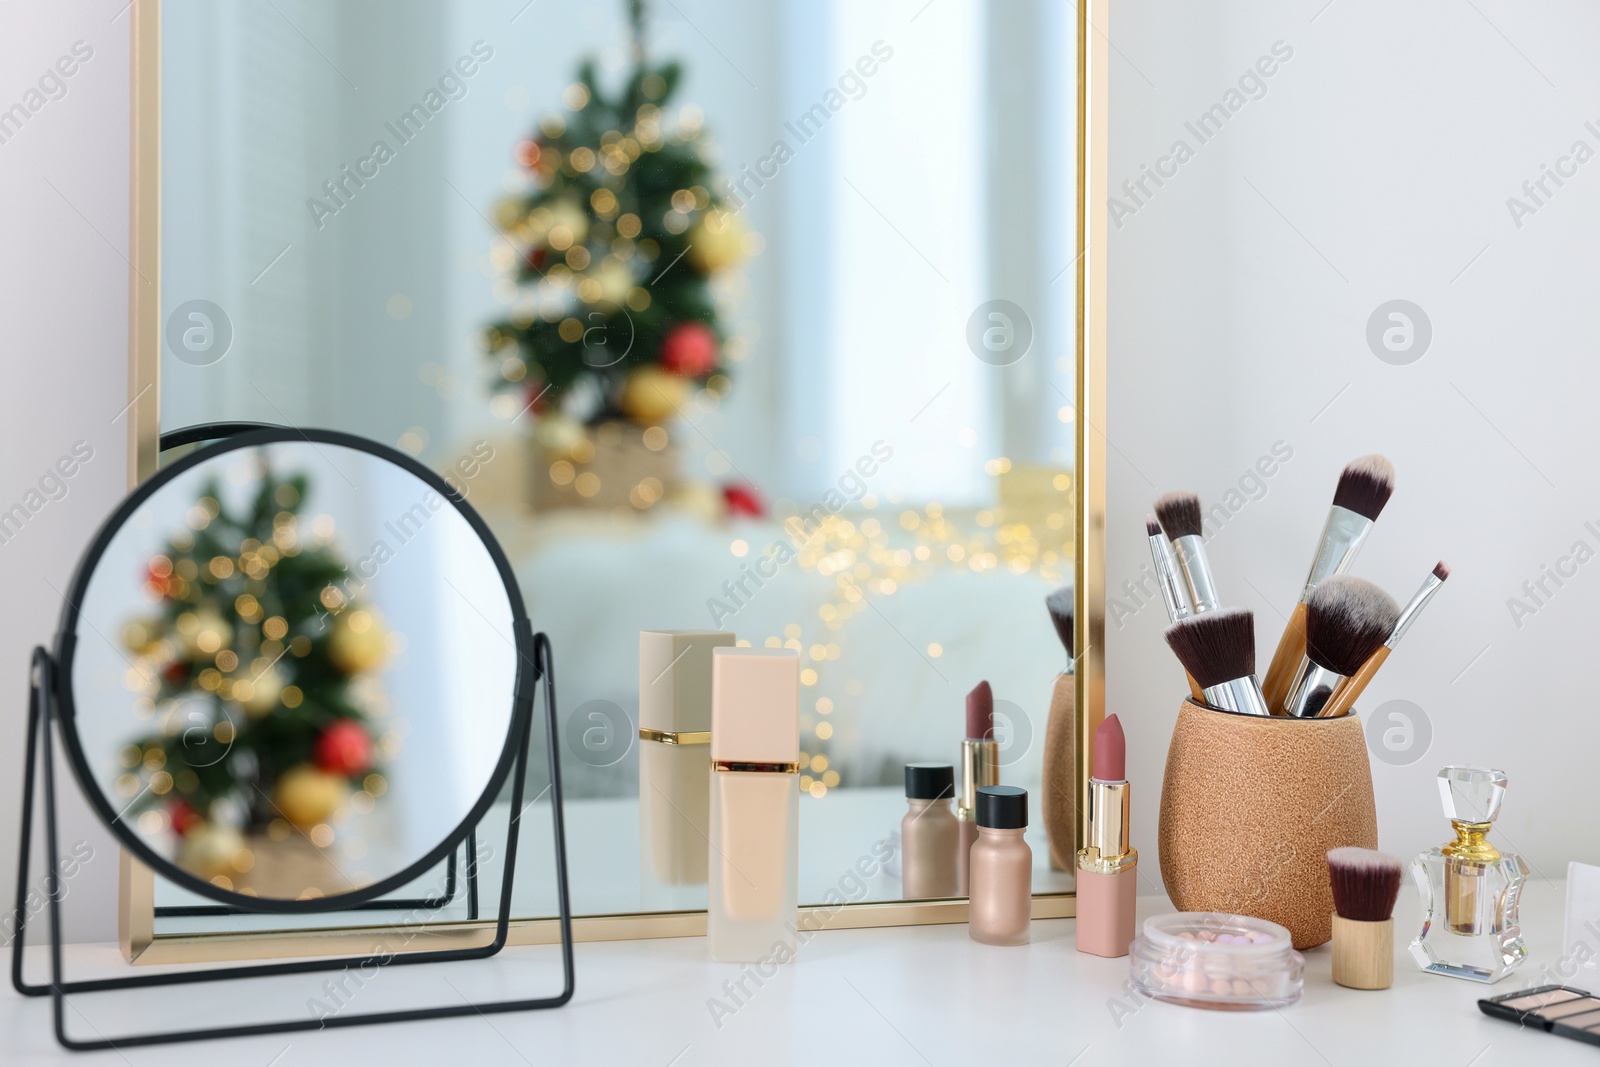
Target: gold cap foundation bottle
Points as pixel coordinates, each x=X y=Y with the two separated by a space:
x=755 y=805
x=675 y=752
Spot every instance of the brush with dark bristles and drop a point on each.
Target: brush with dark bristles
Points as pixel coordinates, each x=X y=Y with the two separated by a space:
x=1061 y=608
x=1347 y=620
x=1365 y=884
x=1173 y=593
x=1349 y=691
x=1183 y=523
x=1218 y=649
x=1365 y=485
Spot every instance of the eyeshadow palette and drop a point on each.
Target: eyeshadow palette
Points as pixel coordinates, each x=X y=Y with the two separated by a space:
x=1554 y=1008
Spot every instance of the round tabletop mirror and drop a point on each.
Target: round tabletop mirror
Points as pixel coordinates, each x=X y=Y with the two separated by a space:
x=290 y=669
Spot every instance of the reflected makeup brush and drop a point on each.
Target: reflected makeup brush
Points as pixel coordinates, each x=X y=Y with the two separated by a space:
x=1219 y=650
x=1179 y=514
x=1349 y=691
x=1365 y=885
x=1060 y=741
x=1365 y=485
x=980 y=766
x=1347 y=620
x=1173 y=594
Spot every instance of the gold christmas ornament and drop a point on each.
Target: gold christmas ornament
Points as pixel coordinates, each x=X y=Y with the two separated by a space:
x=716 y=242
x=203 y=634
x=569 y=225
x=360 y=641
x=210 y=849
x=265 y=690
x=651 y=395
x=307 y=796
x=615 y=280
x=559 y=434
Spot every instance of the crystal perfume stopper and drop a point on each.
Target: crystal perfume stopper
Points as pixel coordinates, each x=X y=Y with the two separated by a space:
x=1472 y=794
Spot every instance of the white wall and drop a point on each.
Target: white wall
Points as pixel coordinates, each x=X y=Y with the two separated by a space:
x=1377 y=166
x=64 y=351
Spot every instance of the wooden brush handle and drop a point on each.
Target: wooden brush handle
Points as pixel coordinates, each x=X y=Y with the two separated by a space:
x=1291 y=647
x=1363 y=953
x=1194 y=689
x=1349 y=691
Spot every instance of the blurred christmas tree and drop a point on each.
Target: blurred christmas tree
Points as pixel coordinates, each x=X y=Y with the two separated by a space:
x=254 y=656
x=617 y=238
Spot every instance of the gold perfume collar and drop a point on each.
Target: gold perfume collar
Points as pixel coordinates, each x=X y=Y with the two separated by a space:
x=1471 y=843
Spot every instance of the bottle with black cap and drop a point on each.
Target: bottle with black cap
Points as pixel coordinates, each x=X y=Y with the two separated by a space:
x=1001 y=868
x=929 y=833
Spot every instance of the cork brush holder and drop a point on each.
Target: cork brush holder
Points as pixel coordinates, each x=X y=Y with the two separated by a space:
x=1250 y=807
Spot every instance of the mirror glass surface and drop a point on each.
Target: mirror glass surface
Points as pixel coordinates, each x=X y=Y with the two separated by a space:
x=294 y=671
x=778 y=341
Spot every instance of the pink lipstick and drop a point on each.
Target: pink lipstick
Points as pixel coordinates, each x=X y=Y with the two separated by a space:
x=980 y=766
x=1107 y=865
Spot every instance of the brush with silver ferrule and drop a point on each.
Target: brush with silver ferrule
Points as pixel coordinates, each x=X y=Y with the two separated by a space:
x=1365 y=485
x=1344 y=698
x=1180 y=516
x=1347 y=620
x=1218 y=649
x=1172 y=591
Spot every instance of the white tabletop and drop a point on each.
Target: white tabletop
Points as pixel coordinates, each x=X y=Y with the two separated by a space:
x=892 y=996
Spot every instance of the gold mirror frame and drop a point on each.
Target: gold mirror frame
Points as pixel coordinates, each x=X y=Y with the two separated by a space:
x=136 y=905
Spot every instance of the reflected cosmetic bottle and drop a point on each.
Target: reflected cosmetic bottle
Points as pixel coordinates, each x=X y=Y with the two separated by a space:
x=1107 y=865
x=675 y=752
x=1001 y=869
x=755 y=805
x=929 y=833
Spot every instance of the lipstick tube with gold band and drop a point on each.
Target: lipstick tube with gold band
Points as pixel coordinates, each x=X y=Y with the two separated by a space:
x=675 y=752
x=980 y=766
x=1107 y=864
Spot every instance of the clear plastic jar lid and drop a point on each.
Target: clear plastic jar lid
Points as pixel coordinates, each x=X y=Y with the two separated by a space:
x=1206 y=959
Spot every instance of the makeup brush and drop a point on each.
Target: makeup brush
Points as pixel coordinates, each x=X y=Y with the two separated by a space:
x=980 y=766
x=1219 y=650
x=1172 y=591
x=1180 y=517
x=1347 y=620
x=1365 y=485
x=1060 y=742
x=1173 y=594
x=1349 y=691
x=1365 y=885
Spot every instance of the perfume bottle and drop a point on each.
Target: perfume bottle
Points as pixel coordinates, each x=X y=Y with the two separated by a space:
x=1470 y=889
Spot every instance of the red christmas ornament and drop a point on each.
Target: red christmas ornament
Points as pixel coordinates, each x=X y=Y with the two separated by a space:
x=175 y=672
x=537 y=257
x=344 y=748
x=536 y=395
x=689 y=350
x=744 y=500
x=184 y=818
x=528 y=153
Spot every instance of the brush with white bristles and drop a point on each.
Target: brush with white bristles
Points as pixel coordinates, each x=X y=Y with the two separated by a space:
x=1218 y=649
x=1349 y=691
x=1365 y=485
x=1347 y=620
x=1365 y=884
x=1183 y=522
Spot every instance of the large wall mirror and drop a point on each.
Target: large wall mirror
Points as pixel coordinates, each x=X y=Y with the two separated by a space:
x=767 y=318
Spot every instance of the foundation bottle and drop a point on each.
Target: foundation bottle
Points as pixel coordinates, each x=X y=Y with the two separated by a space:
x=1000 y=868
x=755 y=805
x=929 y=833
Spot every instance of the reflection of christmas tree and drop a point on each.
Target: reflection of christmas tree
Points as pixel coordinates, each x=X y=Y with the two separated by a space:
x=255 y=660
x=616 y=241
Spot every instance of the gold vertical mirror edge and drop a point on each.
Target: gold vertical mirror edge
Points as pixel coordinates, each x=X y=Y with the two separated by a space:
x=139 y=941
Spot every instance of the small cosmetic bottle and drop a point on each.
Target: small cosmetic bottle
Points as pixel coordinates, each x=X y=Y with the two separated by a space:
x=929 y=833
x=1000 y=868
x=755 y=805
x=1471 y=891
x=675 y=752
